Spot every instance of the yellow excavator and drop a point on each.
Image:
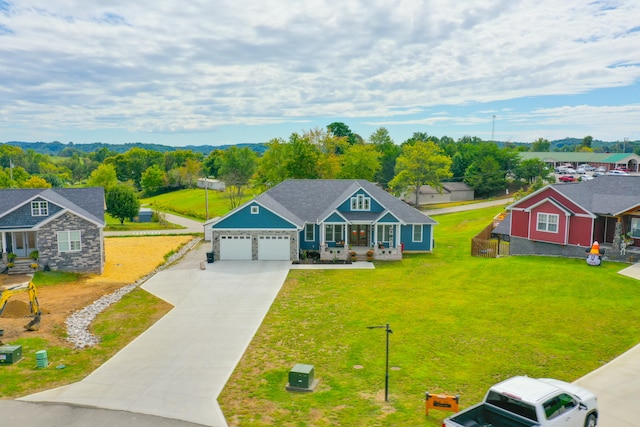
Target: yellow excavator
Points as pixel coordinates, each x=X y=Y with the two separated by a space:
x=34 y=307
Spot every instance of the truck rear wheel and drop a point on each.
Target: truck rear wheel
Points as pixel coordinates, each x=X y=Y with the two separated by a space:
x=591 y=421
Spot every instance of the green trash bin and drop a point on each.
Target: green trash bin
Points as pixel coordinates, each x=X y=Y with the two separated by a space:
x=210 y=257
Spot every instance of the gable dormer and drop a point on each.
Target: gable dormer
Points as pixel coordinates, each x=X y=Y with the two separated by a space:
x=360 y=201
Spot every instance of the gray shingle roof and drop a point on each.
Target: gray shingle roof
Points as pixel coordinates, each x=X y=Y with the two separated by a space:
x=87 y=202
x=605 y=195
x=310 y=200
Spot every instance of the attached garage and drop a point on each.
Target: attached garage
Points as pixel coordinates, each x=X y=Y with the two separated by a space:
x=235 y=248
x=274 y=248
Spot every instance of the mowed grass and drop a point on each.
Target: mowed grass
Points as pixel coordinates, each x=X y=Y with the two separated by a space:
x=192 y=203
x=459 y=325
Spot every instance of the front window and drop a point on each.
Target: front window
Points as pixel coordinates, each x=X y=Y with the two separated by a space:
x=39 y=208
x=548 y=222
x=558 y=405
x=417 y=233
x=635 y=228
x=334 y=232
x=69 y=241
x=385 y=233
x=360 y=203
x=309 y=233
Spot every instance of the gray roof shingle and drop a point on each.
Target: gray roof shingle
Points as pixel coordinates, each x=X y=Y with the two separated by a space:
x=87 y=202
x=605 y=195
x=311 y=200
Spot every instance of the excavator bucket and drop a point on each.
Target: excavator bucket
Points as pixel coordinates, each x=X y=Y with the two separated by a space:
x=34 y=325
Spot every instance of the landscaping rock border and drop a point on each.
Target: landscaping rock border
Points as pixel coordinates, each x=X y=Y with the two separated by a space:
x=78 y=323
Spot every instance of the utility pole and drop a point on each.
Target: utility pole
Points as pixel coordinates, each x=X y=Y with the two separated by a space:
x=493 y=129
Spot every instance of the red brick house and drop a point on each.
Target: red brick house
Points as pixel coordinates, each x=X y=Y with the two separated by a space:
x=565 y=219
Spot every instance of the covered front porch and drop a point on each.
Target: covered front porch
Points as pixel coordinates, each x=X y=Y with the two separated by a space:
x=361 y=241
x=17 y=251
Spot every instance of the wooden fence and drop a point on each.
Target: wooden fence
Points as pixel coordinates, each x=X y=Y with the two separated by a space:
x=484 y=246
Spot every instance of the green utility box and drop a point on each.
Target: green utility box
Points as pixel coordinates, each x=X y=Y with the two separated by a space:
x=10 y=354
x=301 y=376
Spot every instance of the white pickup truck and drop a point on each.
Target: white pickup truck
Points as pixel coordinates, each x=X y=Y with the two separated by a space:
x=530 y=402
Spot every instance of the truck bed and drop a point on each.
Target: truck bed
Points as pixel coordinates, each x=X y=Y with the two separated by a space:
x=486 y=415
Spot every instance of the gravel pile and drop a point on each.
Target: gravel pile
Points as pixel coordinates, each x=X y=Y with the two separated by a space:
x=78 y=323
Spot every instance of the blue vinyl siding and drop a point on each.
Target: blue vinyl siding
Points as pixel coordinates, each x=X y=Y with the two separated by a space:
x=22 y=218
x=335 y=218
x=406 y=237
x=310 y=245
x=388 y=218
x=264 y=219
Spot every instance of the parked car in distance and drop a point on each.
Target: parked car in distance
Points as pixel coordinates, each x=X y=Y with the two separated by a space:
x=623 y=169
x=570 y=170
x=586 y=178
x=601 y=169
x=581 y=171
x=561 y=169
x=586 y=167
x=567 y=178
x=616 y=172
x=596 y=174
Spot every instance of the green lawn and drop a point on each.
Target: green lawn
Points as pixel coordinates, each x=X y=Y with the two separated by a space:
x=459 y=325
x=192 y=203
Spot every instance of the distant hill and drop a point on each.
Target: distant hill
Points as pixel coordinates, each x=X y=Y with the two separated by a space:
x=55 y=148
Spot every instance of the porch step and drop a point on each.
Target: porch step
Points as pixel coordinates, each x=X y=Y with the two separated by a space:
x=21 y=267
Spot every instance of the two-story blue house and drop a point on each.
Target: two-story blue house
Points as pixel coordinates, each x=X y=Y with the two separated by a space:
x=332 y=217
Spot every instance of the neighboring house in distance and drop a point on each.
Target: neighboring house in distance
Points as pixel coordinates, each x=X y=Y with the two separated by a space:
x=565 y=219
x=211 y=184
x=451 y=192
x=65 y=226
x=331 y=217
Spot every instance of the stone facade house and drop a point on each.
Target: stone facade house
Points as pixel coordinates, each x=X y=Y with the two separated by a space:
x=64 y=225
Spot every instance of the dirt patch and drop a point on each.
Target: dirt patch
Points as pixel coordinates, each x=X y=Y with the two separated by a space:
x=127 y=260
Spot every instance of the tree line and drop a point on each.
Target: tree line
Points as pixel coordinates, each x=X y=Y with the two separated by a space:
x=329 y=153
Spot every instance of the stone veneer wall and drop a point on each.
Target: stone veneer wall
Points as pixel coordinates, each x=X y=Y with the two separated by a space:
x=520 y=246
x=90 y=259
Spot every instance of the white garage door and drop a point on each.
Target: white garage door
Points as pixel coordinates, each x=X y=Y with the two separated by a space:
x=273 y=248
x=235 y=248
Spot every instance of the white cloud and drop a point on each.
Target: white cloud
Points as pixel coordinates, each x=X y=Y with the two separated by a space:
x=172 y=66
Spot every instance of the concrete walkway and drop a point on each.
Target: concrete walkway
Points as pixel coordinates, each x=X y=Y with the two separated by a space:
x=178 y=367
x=617 y=384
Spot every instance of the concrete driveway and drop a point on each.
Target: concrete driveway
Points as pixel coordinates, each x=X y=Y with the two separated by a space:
x=178 y=367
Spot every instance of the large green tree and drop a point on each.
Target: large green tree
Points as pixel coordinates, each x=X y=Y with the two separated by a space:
x=153 y=180
x=237 y=166
x=103 y=176
x=122 y=202
x=389 y=152
x=540 y=145
x=360 y=162
x=485 y=176
x=421 y=163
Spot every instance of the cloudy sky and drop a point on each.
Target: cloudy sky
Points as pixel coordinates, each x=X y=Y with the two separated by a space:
x=230 y=71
